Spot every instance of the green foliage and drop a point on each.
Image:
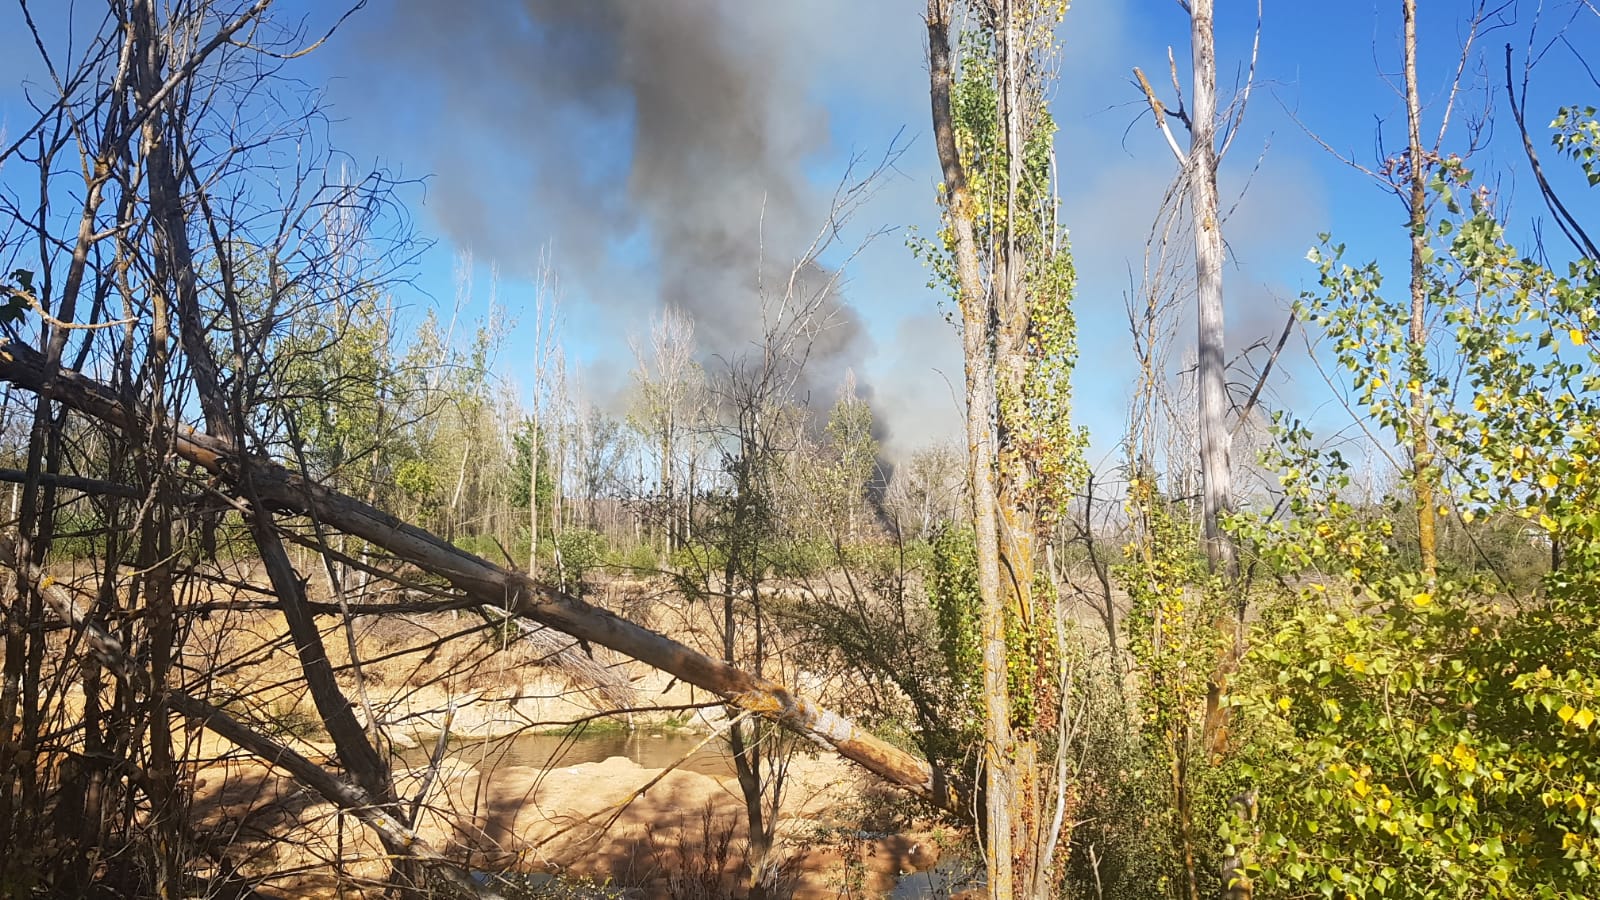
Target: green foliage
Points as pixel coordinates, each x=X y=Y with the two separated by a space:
x=1423 y=740
x=1030 y=652
x=1038 y=439
x=1321 y=531
x=1577 y=134
x=1178 y=633
x=487 y=547
x=518 y=476
x=1033 y=661
x=638 y=558
x=837 y=481
x=902 y=620
x=953 y=594
x=1420 y=743
x=339 y=384
x=16 y=298
x=1123 y=845
x=1039 y=415
x=692 y=565
x=581 y=552
x=1173 y=615
x=799 y=558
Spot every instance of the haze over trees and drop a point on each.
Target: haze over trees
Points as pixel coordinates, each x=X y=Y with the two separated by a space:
x=294 y=554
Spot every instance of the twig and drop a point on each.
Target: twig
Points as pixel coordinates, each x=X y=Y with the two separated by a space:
x=1255 y=394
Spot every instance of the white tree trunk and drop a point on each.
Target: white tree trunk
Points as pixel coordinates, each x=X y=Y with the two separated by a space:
x=1208 y=261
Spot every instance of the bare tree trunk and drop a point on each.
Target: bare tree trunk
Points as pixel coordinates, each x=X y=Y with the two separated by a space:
x=1215 y=467
x=1421 y=452
x=977 y=317
x=533 y=494
x=454 y=513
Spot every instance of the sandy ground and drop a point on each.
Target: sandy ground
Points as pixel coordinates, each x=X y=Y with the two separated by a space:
x=610 y=821
x=424 y=675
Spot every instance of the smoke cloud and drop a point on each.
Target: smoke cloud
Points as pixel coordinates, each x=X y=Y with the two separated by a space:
x=662 y=147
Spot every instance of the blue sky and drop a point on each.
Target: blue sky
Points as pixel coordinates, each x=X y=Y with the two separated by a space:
x=521 y=154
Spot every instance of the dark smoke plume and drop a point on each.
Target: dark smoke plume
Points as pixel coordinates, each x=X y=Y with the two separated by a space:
x=679 y=128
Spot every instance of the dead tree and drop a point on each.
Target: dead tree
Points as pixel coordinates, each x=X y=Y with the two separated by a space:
x=1200 y=162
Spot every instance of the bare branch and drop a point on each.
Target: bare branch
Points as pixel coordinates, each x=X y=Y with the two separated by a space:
x=1160 y=114
x=1565 y=220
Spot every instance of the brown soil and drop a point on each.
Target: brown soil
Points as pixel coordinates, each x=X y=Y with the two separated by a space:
x=585 y=821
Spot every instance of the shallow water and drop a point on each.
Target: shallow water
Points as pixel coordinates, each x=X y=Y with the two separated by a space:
x=651 y=750
x=947 y=877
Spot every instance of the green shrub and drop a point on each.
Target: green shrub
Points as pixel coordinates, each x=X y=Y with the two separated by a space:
x=640 y=558
x=697 y=560
x=799 y=559
x=1419 y=744
x=582 y=551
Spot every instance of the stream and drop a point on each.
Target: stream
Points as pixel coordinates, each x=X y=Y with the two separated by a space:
x=651 y=750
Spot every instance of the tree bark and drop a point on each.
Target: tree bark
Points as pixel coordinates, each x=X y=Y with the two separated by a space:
x=1215 y=468
x=1421 y=452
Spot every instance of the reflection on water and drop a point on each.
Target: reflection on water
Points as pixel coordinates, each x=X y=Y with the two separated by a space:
x=947 y=878
x=650 y=749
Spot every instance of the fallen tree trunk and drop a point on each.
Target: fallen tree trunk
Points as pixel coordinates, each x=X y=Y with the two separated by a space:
x=491 y=585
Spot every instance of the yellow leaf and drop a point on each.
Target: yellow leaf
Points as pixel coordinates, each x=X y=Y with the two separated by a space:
x=1284 y=703
x=1519 y=452
x=1584 y=718
x=1467 y=516
x=1422 y=599
x=1548 y=481
x=1577 y=336
x=1566 y=713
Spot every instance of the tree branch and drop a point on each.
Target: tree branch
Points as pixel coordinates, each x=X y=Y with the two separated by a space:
x=1161 y=116
x=1564 y=220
